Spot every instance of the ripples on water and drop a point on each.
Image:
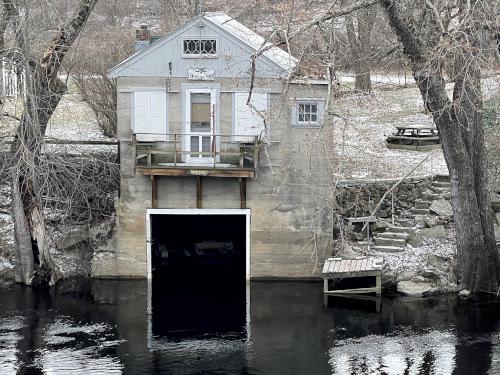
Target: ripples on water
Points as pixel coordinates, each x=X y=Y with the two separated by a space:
x=103 y=327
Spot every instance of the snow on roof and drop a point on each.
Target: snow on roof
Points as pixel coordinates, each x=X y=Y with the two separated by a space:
x=252 y=39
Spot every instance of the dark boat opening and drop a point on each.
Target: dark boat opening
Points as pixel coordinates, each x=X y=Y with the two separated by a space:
x=198 y=268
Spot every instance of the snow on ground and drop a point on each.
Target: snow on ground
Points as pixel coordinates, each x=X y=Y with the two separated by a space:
x=369 y=118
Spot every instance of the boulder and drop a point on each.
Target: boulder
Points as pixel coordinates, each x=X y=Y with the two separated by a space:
x=414 y=288
x=430 y=275
x=441 y=207
x=440 y=263
x=436 y=232
x=498 y=218
x=72 y=239
x=464 y=293
x=405 y=276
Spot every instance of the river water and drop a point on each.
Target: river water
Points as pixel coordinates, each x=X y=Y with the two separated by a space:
x=114 y=327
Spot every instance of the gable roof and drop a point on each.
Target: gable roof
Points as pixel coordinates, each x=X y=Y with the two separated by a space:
x=228 y=25
x=280 y=57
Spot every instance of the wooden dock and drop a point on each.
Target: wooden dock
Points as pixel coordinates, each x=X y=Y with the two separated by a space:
x=338 y=268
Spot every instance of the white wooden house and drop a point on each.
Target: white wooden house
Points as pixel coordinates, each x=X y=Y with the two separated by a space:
x=190 y=139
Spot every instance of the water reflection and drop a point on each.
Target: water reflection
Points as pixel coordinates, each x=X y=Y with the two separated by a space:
x=402 y=352
x=104 y=327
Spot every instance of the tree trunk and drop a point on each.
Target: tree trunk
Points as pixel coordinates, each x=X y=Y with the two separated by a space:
x=34 y=265
x=360 y=46
x=460 y=128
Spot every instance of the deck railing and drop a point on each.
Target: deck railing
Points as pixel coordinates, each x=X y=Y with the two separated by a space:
x=240 y=151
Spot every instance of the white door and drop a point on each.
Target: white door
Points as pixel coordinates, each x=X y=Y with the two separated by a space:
x=200 y=140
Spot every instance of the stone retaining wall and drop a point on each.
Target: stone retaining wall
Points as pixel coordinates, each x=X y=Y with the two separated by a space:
x=359 y=198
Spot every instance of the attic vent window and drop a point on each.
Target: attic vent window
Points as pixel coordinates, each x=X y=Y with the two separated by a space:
x=200 y=47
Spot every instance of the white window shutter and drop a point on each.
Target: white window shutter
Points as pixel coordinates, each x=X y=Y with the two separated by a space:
x=150 y=116
x=158 y=115
x=248 y=121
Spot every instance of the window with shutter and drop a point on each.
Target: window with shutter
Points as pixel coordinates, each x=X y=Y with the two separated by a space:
x=150 y=115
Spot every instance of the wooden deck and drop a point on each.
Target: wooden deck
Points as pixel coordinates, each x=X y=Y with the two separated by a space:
x=181 y=170
x=338 y=268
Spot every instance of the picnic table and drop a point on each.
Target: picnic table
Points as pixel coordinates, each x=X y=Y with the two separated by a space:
x=417 y=130
x=417 y=137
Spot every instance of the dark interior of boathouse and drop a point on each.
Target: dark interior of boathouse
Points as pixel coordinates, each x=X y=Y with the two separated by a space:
x=198 y=266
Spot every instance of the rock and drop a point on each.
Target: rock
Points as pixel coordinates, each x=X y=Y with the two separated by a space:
x=413 y=288
x=440 y=263
x=464 y=293
x=441 y=207
x=405 y=276
x=72 y=239
x=495 y=202
x=497 y=232
x=430 y=275
x=433 y=292
x=415 y=239
x=498 y=218
x=436 y=232
x=430 y=221
x=381 y=224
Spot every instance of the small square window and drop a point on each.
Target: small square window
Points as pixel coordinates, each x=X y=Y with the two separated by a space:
x=307 y=114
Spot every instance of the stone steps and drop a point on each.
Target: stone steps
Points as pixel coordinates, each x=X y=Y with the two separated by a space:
x=407 y=230
x=388 y=249
x=398 y=235
x=420 y=211
x=430 y=196
x=382 y=241
x=405 y=222
x=364 y=243
x=421 y=204
x=439 y=190
x=441 y=184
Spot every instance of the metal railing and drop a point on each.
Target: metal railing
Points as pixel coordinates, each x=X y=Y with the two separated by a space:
x=241 y=151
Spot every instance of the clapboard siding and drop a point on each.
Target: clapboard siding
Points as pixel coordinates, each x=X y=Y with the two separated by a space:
x=233 y=57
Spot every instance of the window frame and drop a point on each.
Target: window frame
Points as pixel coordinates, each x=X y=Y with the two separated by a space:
x=319 y=103
x=200 y=55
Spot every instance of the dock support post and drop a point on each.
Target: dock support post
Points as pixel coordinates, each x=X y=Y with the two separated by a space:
x=199 y=192
x=243 y=193
x=379 y=285
x=154 y=191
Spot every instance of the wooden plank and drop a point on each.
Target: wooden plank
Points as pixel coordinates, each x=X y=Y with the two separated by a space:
x=345 y=275
x=337 y=266
x=364 y=263
x=185 y=172
x=330 y=268
x=359 y=263
x=421 y=138
x=243 y=193
x=353 y=291
x=325 y=266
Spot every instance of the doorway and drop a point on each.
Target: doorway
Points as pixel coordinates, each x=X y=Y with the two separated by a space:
x=198 y=265
x=200 y=140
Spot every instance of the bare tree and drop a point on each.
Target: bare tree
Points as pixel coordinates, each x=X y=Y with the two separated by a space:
x=455 y=28
x=34 y=264
x=359 y=27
